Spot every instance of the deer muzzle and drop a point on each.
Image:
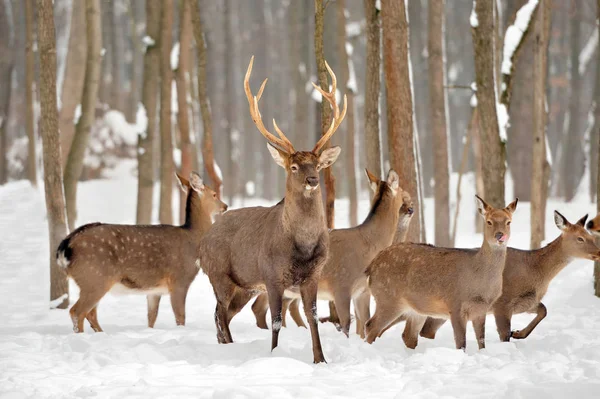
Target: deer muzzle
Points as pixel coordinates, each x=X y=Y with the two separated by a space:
x=312 y=182
x=501 y=237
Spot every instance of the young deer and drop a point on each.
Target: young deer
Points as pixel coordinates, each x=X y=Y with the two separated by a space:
x=351 y=250
x=527 y=275
x=252 y=250
x=418 y=280
x=149 y=260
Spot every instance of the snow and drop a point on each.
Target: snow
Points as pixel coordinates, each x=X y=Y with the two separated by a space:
x=148 y=41
x=175 y=56
x=473 y=20
x=128 y=132
x=514 y=34
x=40 y=356
x=588 y=51
x=502 y=120
x=77 y=114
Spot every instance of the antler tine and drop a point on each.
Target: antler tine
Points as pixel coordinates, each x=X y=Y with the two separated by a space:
x=337 y=117
x=280 y=133
x=283 y=143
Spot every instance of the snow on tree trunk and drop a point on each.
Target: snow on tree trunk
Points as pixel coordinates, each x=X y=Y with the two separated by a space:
x=29 y=95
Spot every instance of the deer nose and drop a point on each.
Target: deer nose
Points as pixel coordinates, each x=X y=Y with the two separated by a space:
x=410 y=210
x=224 y=207
x=312 y=181
x=590 y=224
x=501 y=237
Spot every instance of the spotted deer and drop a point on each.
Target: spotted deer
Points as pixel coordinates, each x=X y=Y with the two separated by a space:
x=418 y=280
x=343 y=278
x=258 y=249
x=129 y=259
x=528 y=274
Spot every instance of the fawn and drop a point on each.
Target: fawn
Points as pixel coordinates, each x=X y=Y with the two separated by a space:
x=418 y=280
x=351 y=250
x=252 y=250
x=148 y=260
x=527 y=275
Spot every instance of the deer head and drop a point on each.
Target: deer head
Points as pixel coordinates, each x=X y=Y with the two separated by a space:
x=201 y=196
x=302 y=167
x=497 y=221
x=577 y=241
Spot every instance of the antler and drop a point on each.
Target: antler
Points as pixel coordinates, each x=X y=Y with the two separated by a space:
x=283 y=143
x=337 y=117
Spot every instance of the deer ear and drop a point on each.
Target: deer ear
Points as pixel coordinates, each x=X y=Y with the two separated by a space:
x=182 y=182
x=561 y=221
x=393 y=180
x=482 y=207
x=328 y=157
x=196 y=182
x=512 y=207
x=373 y=180
x=278 y=155
x=581 y=221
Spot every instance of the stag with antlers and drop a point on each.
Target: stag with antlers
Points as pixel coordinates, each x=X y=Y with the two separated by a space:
x=258 y=249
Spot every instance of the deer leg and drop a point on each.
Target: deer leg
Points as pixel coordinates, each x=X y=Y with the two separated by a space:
x=503 y=324
x=284 y=308
x=275 y=304
x=88 y=299
x=92 y=318
x=459 y=325
x=240 y=299
x=431 y=326
x=309 y=301
x=153 y=302
x=342 y=304
x=524 y=333
x=479 y=327
x=362 y=311
x=400 y=319
x=224 y=290
x=178 y=295
x=333 y=316
x=410 y=336
x=259 y=308
x=384 y=316
x=295 y=313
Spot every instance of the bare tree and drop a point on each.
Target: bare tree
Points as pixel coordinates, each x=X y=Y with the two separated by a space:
x=540 y=167
x=597 y=128
x=118 y=55
x=6 y=68
x=165 y=210
x=29 y=94
x=491 y=145
x=437 y=98
x=55 y=203
x=372 y=88
x=88 y=107
x=348 y=86
x=399 y=103
x=298 y=57
x=207 y=142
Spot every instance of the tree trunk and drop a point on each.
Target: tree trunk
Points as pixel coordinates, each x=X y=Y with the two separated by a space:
x=133 y=12
x=572 y=165
x=231 y=166
x=492 y=147
x=597 y=128
x=325 y=110
x=145 y=153
x=540 y=42
x=6 y=68
x=475 y=134
x=29 y=95
x=118 y=57
x=181 y=78
x=372 y=88
x=88 y=108
x=165 y=211
x=298 y=57
x=399 y=104
x=72 y=88
x=348 y=87
x=207 y=142
x=55 y=204
x=437 y=98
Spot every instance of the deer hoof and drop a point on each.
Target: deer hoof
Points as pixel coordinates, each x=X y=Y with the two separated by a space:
x=516 y=334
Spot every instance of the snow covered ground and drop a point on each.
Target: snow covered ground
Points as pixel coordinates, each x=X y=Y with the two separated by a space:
x=41 y=357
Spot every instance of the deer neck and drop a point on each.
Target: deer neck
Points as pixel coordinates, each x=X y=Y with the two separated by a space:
x=197 y=219
x=551 y=259
x=493 y=257
x=381 y=223
x=401 y=229
x=304 y=216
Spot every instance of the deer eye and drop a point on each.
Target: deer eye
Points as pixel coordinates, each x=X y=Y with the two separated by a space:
x=294 y=168
x=215 y=195
x=580 y=239
x=489 y=223
x=508 y=223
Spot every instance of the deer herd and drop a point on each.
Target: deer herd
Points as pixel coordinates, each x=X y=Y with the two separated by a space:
x=285 y=253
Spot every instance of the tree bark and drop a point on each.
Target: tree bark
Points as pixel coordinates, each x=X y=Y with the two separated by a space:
x=207 y=142
x=72 y=88
x=399 y=104
x=347 y=88
x=55 y=204
x=181 y=79
x=437 y=98
x=6 y=68
x=298 y=60
x=145 y=153
x=29 y=95
x=541 y=40
x=88 y=107
x=597 y=128
x=372 y=88
x=118 y=56
x=492 y=147
x=325 y=110
x=165 y=211
x=133 y=12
